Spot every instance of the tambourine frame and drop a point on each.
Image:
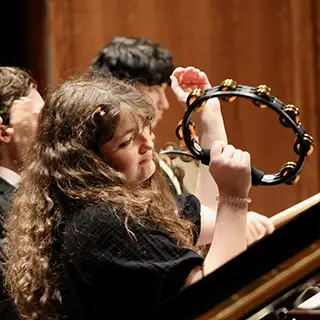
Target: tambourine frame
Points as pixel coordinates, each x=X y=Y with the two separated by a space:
x=245 y=92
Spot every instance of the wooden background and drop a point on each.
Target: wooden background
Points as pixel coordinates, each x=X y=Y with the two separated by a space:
x=252 y=41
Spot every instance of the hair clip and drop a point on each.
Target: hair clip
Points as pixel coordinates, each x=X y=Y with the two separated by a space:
x=100 y=111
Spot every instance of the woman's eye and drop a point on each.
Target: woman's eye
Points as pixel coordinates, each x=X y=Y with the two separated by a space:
x=126 y=143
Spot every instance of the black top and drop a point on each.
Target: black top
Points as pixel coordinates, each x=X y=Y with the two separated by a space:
x=106 y=274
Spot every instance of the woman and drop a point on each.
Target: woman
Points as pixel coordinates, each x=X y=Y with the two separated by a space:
x=94 y=224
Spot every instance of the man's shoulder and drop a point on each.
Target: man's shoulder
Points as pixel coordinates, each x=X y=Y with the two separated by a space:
x=5 y=186
x=6 y=194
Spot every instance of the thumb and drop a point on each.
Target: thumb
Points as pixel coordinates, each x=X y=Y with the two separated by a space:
x=216 y=149
x=174 y=82
x=177 y=90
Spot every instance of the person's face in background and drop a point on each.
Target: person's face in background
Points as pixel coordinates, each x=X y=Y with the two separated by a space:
x=24 y=115
x=158 y=95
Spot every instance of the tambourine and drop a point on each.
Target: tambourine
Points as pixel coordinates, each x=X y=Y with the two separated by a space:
x=261 y=96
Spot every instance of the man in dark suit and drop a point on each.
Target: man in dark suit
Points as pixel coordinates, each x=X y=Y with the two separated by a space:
x=20 y=105
x=6 y=193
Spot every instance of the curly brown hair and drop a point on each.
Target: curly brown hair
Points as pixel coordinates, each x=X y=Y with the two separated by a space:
x=14 y=84
x=64 y=162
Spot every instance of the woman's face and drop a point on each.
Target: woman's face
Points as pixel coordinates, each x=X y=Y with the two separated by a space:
x=130 y=151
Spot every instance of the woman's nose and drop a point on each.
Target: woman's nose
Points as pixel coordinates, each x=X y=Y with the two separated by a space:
x=147 y=138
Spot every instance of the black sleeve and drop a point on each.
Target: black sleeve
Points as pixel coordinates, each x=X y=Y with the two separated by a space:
x=148 y=266
x=190 y=208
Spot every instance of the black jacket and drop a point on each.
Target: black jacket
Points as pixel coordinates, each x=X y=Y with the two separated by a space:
x=7 y=310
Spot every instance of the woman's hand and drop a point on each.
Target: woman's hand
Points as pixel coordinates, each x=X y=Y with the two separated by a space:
x=231 y=170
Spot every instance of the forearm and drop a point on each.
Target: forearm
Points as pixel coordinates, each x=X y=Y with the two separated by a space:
x=212 y=129
x=229 y=240
x=230 y=236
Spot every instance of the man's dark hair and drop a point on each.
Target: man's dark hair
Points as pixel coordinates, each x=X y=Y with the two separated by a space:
x=14 y=84
x=135 y=59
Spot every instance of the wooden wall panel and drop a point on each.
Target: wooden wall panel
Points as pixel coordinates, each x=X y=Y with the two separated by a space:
x=36 y=41
x=254 y=42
